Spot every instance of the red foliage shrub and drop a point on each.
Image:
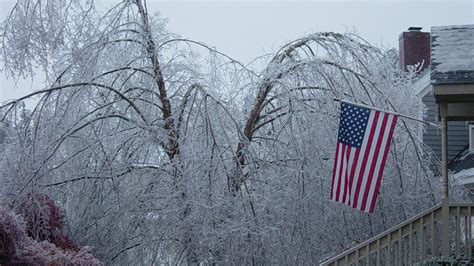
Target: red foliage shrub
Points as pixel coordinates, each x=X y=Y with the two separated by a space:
x=17 y=248
x=12 y=234
x=44 y=220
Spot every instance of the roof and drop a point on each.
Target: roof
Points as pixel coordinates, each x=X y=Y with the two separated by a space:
x=422 y=84
x=462 y=166
x=452 y=54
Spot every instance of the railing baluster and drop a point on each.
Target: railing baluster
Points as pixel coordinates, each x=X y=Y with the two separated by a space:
x=422 y=239
x=399 y=244
x=410 y=245
x=469 y=232
x=458 y=231
x=389 y=250
x=367 y=255
x=433 y=238
x=377 y=255
x=357 y=256
x=464 y=220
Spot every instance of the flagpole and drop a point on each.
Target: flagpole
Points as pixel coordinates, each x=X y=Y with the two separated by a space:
x=390 y=112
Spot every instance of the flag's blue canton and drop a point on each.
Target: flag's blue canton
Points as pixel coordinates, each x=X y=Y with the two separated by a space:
x=353 y=124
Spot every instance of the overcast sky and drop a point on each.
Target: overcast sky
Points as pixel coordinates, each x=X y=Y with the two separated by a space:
x=247 y=29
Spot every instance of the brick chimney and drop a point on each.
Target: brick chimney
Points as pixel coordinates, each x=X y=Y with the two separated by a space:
x=414 y=46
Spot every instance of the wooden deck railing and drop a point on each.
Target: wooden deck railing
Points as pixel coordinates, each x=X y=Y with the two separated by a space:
x=439 y=231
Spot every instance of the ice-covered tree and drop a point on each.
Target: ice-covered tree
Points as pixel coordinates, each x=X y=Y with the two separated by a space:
x=162 y=149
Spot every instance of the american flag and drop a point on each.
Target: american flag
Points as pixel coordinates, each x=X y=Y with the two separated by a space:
x=362 y=147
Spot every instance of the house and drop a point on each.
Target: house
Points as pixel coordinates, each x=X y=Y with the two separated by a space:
x=414 y=48
x=452 y=78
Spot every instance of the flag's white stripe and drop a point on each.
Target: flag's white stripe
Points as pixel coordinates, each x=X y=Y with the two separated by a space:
x=371 y=197
x=342 y=181
x=361 y=156
x=340 y=174
x=336 y=175
x=370 y=160
x=347 y=176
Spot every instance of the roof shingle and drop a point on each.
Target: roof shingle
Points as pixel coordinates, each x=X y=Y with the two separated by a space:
x=452 y=54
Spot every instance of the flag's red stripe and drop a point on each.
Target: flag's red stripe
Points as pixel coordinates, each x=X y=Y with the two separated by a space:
x=352 y=172
x=336 y=159
x=346 y=183
x=382 y=166
x=338 y=168
x=364 y=162
x=340 y=171
x=370 y=177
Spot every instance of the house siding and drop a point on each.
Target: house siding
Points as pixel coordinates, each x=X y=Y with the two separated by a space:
x=458 y=131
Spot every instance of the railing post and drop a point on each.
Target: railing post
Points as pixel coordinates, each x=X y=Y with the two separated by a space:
x=444 y=170
x=445 y=249
x=444 y=151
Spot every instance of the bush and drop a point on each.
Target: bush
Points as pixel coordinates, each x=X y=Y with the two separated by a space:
x=44 y=220
x=12 y=234
x=16 y=247
x=445 y=261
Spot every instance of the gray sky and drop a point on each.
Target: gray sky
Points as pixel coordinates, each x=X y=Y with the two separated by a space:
x=247 y=29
